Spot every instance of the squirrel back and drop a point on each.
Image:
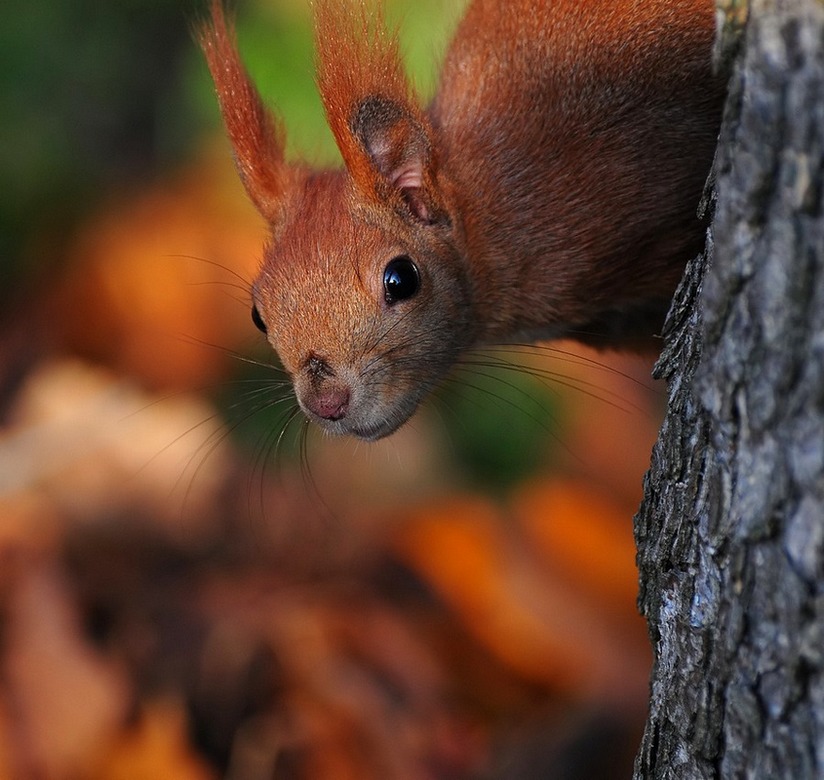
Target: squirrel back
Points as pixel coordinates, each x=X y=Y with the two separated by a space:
x=549 y=190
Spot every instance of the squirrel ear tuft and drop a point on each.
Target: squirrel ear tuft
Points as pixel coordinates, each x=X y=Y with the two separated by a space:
x=257 y=137
x=382 y=133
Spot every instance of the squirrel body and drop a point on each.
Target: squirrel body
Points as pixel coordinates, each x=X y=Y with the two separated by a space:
x=550 y=190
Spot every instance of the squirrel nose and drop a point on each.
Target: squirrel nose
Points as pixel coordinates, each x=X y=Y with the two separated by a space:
x=328 y=397
x=330 y=403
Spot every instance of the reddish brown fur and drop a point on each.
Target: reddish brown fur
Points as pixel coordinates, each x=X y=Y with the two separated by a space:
x=550 y=190
x=355 y=60
x=601 y=190
x=257 y=137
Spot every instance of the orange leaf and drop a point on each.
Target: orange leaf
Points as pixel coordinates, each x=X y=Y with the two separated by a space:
x=529 y=618
x=584 y=535
x=156 y=748
x=159 y=286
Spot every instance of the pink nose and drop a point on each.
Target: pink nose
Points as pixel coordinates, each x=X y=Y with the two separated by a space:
x=330 y=404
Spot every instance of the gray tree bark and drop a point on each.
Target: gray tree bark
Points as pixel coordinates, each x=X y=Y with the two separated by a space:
x=731 y=531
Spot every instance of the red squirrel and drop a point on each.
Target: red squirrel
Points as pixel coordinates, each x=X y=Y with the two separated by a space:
x=549 y=190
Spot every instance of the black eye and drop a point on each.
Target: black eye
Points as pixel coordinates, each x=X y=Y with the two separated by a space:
x=258 y=320
x=400 y=279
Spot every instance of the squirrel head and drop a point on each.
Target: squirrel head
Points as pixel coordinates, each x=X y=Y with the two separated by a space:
x=363 y=290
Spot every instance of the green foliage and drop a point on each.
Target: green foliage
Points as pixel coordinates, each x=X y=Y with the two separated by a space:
x=258 y=405
x=498 y=421
x=81 y=84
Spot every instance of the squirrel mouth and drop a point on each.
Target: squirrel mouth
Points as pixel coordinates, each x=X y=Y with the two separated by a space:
x=365 y=430
x=372 y=432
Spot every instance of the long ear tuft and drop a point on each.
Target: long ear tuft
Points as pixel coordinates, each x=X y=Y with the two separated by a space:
x=257 y=136
x=383 y=134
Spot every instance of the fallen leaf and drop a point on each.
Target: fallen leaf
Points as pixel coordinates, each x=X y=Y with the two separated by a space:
x=67 y=700
x=156 y=747
x=529 y=616
x=584 y=535
x=158 y=286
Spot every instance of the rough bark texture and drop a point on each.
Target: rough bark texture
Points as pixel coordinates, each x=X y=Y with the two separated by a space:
x=731 y=532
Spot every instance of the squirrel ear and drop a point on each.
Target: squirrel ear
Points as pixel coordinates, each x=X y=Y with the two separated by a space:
x=400 y=151
x=380 y=129
x=257 y=137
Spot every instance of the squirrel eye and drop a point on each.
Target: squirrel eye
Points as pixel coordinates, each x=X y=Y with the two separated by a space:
x=258 y=320
x=400 y=279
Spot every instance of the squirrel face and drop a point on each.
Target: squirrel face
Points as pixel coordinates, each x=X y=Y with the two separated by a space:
x=364 y=292
x=366 y=311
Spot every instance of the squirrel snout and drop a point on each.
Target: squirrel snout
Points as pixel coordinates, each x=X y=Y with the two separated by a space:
x=327 y=397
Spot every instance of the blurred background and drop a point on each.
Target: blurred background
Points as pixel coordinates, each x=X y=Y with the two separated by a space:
x=194 y=584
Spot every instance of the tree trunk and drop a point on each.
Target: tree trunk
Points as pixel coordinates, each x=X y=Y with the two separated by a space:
x=731 y=531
